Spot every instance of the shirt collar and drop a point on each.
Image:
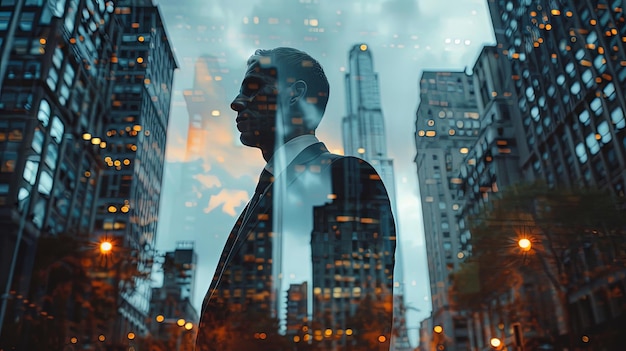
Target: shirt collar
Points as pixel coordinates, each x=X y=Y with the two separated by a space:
x=287 y=152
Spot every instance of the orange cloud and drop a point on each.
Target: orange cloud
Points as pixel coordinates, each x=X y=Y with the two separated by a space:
x=208 y=180
x=229 y=199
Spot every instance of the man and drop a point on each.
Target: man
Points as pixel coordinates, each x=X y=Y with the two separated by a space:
x=309 y=263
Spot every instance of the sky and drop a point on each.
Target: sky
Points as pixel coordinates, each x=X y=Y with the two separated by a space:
x=405 y=38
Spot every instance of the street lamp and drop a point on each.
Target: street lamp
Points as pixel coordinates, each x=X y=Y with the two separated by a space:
x=495 y=343
x=106 y=247
x=524 y=244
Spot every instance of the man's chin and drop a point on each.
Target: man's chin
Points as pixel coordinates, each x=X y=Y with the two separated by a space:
x=248 y=139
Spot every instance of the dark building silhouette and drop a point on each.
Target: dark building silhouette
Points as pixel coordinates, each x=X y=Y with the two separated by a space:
x=173 y=301
x=297 y=311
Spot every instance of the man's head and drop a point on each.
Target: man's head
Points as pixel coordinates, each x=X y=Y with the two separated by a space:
x=283 y=95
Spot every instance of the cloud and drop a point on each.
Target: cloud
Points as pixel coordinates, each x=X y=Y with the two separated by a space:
x=208 y=180
x=229 y=199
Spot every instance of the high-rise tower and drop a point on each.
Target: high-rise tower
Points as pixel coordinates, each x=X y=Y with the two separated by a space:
x=364 y=125
x=447 y=126
x=364 y=136
x=130 y=190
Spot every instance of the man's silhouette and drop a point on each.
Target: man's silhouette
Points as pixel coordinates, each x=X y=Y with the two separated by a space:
x=309 y=262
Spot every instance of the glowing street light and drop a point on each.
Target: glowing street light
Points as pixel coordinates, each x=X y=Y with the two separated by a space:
x=495 y=343
x=524 y=244
x=438 y=329
x=106 y=247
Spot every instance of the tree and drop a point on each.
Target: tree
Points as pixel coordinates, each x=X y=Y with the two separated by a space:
x=573 y=236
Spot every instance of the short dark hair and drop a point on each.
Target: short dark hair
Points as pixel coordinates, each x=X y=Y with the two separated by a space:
x=296 y=65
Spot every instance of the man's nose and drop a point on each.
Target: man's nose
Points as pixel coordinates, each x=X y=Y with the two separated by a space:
x=239 y=104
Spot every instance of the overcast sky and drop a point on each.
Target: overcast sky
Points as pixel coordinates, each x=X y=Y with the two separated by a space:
x=405 y=38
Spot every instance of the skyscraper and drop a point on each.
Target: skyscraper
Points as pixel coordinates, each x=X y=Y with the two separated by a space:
x=55 y=64
x=84 y=114
x=364 y=125
x=447 y=126
x=565 y=65
x=364 y=136
x=128 y=202
x=568 y=66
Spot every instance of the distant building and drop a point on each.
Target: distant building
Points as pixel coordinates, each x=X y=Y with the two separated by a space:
x=297 y=310
x=447 y=126
x=171 y=305
x=352 y=266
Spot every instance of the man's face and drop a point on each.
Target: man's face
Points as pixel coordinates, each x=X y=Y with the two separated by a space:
x=256 y=106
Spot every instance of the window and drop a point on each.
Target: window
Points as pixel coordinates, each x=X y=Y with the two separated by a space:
x=57 y=129
x=617 y=117
x=583 y=117
x=604 y=132
x=596 y=106
x=8 y=162
x=592 y=143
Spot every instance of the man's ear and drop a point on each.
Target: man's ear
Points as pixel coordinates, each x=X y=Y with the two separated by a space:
x=298 y=91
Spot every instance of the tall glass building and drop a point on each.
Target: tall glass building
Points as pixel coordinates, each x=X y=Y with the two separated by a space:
x=364 y=136
x=129 y=195
x=55 y=84
x=83 y=116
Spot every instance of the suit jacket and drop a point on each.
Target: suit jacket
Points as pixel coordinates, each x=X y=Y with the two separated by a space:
x=308 y=263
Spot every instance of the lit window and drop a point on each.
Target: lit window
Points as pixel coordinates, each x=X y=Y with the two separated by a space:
x=617 y=117
x=534 y=113
x=605 y=134
x=596 y=106
x=592 y=143
x=569 y=68
x=587 y=78
x=44 y=112
x=609 y=91
x=581 y=153
x=583 y=117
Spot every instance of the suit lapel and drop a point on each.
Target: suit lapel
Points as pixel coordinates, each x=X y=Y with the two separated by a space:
x=250 y=216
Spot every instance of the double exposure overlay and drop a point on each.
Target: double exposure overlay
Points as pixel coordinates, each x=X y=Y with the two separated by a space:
x=349 y=175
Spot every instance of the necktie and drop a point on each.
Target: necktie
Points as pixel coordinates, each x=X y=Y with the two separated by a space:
x=265 y=180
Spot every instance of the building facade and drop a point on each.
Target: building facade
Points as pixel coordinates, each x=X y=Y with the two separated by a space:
x=447 y=126
x=84 y=115
x=55 y=85
x=129 y=196
x=551 y=111
x=173 y=319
